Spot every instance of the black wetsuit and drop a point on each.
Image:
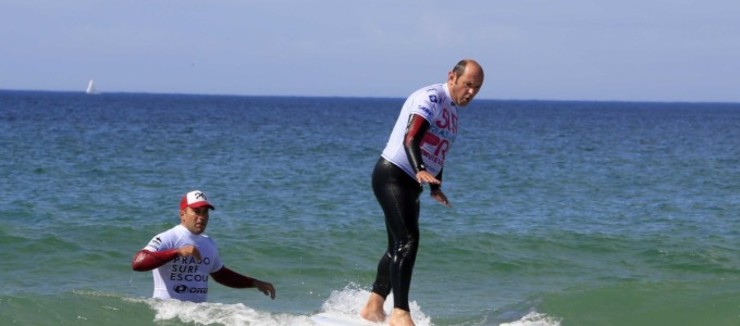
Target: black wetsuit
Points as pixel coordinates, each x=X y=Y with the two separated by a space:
x=398 y=195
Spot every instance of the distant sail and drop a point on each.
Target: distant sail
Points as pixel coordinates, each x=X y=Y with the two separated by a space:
x=91 y=88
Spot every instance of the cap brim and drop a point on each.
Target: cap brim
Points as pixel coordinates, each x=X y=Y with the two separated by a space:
x=201 y=204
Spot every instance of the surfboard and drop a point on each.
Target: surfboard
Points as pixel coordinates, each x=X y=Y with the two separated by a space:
x=338 y=319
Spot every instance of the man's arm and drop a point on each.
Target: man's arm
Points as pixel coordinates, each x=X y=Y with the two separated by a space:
x=415 y=130
x=146 y=260
x=233 y=279
x=437 y=192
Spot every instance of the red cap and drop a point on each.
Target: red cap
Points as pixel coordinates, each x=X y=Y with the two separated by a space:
x=195 y=199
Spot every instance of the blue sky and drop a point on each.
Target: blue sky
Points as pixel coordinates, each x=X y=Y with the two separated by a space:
x=649 y=50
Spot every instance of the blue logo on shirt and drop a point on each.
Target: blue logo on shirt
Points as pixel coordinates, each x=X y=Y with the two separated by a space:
x=426 y=110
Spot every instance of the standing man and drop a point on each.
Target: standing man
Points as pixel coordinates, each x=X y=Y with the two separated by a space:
x=415 y=155
x=182 y=259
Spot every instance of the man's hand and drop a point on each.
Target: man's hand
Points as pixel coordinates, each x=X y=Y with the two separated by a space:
x=185 y=251
x=265 y=288
x=440 y=196
x=425 y=177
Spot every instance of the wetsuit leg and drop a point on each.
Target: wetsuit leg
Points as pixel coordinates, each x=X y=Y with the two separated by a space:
x=398 y=195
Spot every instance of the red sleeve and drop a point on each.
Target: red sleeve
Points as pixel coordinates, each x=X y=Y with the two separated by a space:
x=232 y=279
x=415 y=130
x=146 y=260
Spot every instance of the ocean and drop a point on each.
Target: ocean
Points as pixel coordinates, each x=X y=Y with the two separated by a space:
x=563 y=212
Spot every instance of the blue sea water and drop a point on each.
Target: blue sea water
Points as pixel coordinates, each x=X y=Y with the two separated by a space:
x=564 y=213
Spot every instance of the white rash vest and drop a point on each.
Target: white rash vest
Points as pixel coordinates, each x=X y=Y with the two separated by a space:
x=434 y=104
x=184 y=278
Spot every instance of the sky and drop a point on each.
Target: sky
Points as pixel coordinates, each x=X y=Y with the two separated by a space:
x=627 y=50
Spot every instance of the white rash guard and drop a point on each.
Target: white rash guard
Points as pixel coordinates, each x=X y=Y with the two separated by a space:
x=434 y=104
x=184 y=278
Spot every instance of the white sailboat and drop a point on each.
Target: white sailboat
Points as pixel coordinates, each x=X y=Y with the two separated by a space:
x=91 y=88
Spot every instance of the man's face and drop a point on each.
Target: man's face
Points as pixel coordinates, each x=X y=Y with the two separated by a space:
x=195 y=219
x=463 y=88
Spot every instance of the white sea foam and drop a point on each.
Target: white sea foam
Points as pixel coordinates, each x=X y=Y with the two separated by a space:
x=223 y=314
x=535 y=319
x=348 y=302
x=344 y=303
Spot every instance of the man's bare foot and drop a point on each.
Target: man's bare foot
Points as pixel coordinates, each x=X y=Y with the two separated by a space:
x=373 y=310
x=400 y=317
